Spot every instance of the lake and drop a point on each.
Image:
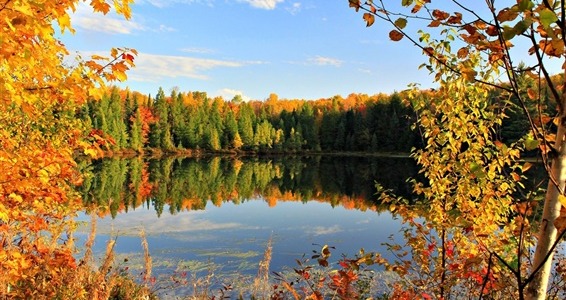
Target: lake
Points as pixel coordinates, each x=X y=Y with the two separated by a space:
x=216 y=215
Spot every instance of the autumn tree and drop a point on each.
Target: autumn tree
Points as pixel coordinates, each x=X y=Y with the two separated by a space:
x=482 y=45
x=39 y=94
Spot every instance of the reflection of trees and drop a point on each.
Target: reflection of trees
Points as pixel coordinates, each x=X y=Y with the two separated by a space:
x=189 y=183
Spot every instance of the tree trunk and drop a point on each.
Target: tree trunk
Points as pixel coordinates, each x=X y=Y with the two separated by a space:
x=547 y=232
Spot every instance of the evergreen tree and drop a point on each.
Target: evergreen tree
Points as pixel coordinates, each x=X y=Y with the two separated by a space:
x=136 y=131
x=308 y=127
x=230 y=131
x=160 y=134
x=246 y=125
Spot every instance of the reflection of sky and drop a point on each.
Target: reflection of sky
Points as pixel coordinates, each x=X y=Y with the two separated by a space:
x=236 y=235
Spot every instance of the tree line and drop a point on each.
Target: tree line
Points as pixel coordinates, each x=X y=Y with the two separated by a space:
x=193 y=121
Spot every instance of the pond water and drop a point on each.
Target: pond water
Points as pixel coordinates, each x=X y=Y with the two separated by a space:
x=217 y=214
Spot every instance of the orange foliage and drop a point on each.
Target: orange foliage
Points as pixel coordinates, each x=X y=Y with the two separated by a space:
x=38 y=137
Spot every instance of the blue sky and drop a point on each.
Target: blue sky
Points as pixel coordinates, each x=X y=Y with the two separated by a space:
x=298 y=49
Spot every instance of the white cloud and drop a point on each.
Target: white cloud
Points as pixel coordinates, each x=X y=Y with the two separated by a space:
x=228 y=94
x=131 y=223
x=325 y=61
x=153 y=68
x=295 y=8
x=86 y=19
x=321 y=230
x=197 y=50
x=165 y=3
x=165 y=28
x=263 y=4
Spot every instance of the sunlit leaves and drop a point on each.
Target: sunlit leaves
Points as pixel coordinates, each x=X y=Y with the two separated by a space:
x=369 y=18
x=65 y=23
x=486 y=50
x=455 y=19
x=440 y=15
x=547 y=17
x=524 y=5
x=100 y=6
x=39 y=133
x=355 y=4
x=507 y=14
x=463 y=52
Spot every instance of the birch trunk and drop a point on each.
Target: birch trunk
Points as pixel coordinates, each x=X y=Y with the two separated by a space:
x=547 y=232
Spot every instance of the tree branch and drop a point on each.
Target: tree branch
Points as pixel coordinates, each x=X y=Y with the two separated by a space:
x=558 y=240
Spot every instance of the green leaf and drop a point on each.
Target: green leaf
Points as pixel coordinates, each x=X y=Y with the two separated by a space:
x=522 y=26
x=531 y=144
x=509 y=33
x=406 y=2
x=401 y=23
x=477 y=170
x=547 y=17
x=525 y=5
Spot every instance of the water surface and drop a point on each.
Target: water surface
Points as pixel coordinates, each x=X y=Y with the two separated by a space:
x=218 y=214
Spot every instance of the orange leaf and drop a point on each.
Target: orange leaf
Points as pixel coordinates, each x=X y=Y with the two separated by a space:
x=463 y=52
x=532 y=95
x=369 y=18
x=355 y=4
x=395 y=35
x=455 y=19
x=100 y=6
x=440 y=15
x=507 y=14
x=434 y=23
x=428 y=51
x=560 y=222
x=416 y=9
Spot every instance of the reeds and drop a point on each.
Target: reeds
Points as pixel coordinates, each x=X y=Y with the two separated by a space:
x=146 y=259
x=106 y=281
x=261 y=285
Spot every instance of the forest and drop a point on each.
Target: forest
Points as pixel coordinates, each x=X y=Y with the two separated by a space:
x=193 y=122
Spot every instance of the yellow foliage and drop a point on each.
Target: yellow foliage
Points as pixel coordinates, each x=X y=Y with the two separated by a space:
x=39 y=134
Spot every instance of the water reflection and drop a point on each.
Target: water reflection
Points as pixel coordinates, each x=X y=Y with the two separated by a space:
x=176 y=184
x=218 y=213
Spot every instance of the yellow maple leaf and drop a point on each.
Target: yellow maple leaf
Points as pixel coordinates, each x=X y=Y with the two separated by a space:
x=64 y=22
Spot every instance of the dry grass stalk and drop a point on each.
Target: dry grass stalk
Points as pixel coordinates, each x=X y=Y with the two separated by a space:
x=87 y=259
x=108 y=258
x=146 y=257
x=261 y=282
x=202 y=285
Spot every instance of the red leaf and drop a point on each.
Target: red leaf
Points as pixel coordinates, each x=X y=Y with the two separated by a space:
x=395 y=35
x=492 y=31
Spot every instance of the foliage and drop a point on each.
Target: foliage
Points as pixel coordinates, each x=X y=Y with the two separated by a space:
x=350 y=280
x=471 y=50
x=39 y=135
